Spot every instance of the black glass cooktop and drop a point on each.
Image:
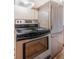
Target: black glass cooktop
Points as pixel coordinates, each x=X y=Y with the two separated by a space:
x=30 y=32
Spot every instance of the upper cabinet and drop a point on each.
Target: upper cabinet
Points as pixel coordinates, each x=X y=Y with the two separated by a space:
x=44 y=15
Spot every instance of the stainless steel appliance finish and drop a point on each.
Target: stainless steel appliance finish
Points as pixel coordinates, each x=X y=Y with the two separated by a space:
x=29 y=31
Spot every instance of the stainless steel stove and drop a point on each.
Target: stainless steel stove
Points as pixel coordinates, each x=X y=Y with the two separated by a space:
x=29 y=30
x=29 y=35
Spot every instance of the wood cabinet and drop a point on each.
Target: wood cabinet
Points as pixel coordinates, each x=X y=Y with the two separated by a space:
x=30 y=49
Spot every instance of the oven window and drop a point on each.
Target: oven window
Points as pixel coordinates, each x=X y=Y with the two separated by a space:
x=34 y=48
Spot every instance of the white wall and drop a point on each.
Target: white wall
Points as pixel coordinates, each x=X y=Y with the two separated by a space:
x=24 y=13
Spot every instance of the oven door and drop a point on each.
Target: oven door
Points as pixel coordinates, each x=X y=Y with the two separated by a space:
x=35 y=47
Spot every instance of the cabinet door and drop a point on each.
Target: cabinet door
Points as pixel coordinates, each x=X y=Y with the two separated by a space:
x=44 y=16
x=34 y=48
x=19 y=50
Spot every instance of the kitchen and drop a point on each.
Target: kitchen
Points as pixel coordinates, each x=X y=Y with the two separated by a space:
x=38 y=28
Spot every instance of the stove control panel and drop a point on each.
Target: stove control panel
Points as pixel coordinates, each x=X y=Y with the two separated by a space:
x=26 y=21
